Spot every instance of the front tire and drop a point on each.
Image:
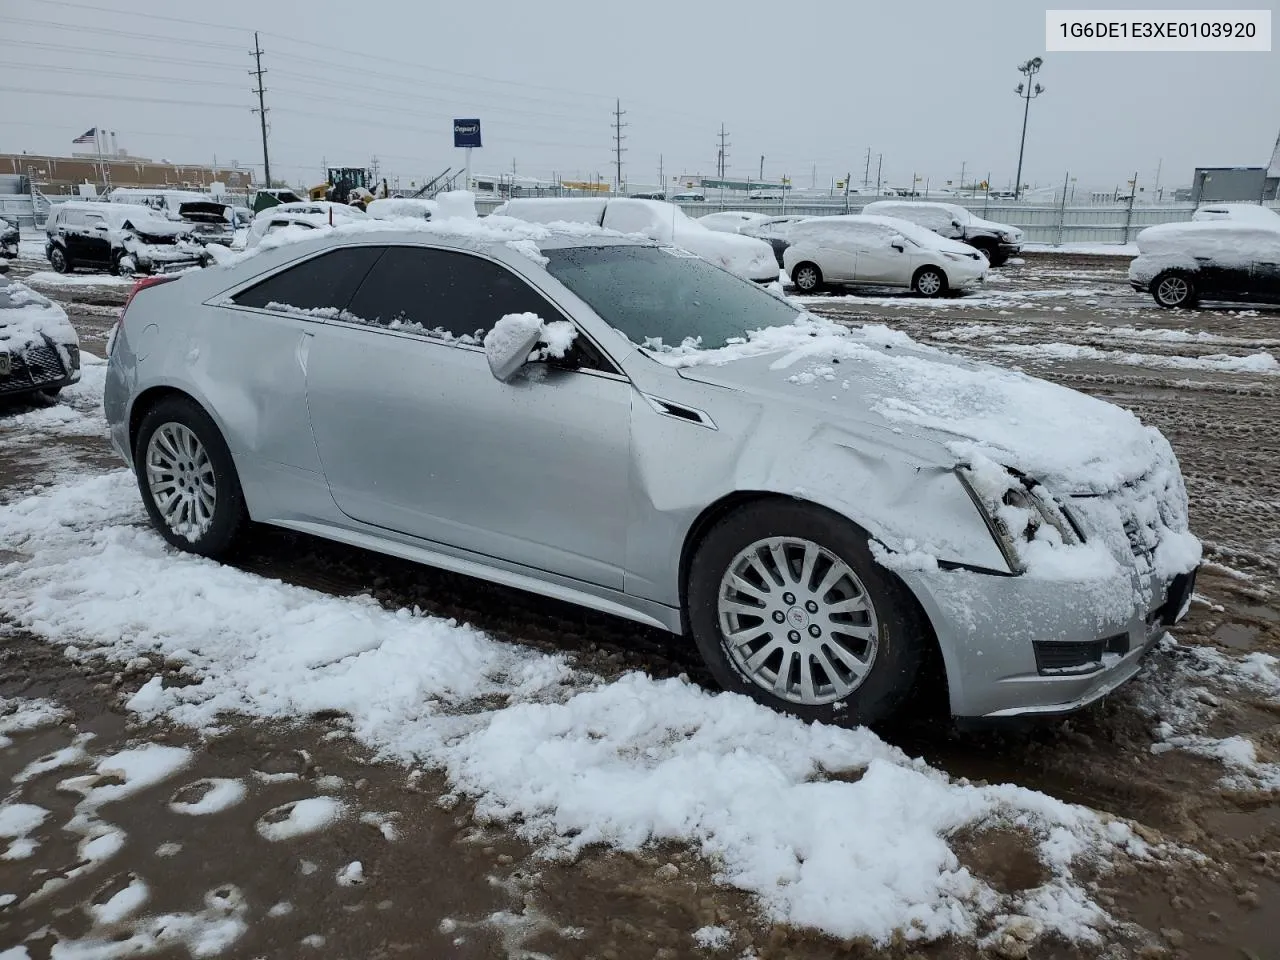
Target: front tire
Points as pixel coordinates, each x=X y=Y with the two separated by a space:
x=60 y=261
x=929 y=282
x=787 y=606
x=807 y=277
x=187 y=478
x=1172 y=289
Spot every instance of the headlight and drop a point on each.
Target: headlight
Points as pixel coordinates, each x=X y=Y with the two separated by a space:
x=1018 y=510
x=73 y=352
x=1004 y=237
x=955 y=256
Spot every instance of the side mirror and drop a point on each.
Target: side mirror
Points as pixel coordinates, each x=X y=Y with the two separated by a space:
x=508 y=345
x=898 y=243
x=100 y=227
x=957 y=224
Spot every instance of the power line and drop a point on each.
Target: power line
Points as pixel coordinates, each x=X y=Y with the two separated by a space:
x=97 y=31
x=148 y=57
x=618 y=149
x=116 y=96
x=256 y=53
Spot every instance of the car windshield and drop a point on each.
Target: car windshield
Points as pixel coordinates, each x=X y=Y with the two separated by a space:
x=661 y=296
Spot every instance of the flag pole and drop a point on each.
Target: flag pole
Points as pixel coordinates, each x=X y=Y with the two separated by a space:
x=97 y=145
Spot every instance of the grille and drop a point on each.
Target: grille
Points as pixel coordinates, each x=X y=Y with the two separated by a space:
x=34 y=367
x=1078 y=656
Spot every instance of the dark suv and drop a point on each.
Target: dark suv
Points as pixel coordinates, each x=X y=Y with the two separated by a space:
x=118 y=237
x=8 y=238
x=1180 y=264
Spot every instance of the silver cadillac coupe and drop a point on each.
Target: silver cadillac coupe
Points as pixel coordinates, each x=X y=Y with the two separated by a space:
x=625 y=426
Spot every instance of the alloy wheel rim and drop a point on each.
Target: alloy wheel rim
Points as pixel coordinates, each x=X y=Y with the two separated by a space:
x=807 y=280
x=797 y=621
x=1173 y=290
x=929 y=283
x=181 y=480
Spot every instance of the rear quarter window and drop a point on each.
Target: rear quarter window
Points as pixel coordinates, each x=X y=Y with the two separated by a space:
x=329 y=280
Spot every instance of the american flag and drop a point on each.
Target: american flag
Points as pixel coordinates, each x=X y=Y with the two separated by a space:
x=89 y=136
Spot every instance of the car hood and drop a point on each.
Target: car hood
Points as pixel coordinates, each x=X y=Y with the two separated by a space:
x=879 y=378
x=27 y=317
x=204 y=212
x=993 y=225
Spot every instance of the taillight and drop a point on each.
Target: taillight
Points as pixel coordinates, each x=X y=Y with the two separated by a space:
x=138 y=287
x=142 y=284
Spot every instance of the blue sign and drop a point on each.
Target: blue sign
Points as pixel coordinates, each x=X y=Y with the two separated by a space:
x=466 y=133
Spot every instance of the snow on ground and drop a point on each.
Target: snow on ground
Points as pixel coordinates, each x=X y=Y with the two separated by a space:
x=570 y=759
x=51 y=279
x=18 y=716
x=208 y=796
x=300 y=817
x=1261 y=362
x=1098 y=249
x=1183 y=712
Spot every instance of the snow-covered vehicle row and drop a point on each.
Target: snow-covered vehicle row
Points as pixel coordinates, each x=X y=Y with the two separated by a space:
x=39 y=349
x=638 y=431
x=657 y=220
x=120 y=238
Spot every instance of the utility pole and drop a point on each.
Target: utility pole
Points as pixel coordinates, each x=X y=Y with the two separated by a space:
x=723 y=161
x=866 y=172
x=256 y=53
x=813 y=178
x=1028 y=91
x=963 y=164
x=373 y=168
x=762 y=168
x=879 y=167
x=618 y=149
x=662 y=180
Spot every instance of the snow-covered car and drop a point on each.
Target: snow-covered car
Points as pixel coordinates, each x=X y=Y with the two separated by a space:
x=304 y=215
x=9 y=238
x=389 y=208
x=1254 y=213
x=729 y=221
x=1180 y=264
x=773 y=231
x=39 y=349
x=119 y=237
x=688 y=196
x=211 y=221
x=997 y=241
x=858 y=250
x=657 y=220
x=617 y=424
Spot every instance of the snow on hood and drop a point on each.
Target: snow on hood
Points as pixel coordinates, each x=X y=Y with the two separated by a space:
x=26 y=317
x=1068 y=440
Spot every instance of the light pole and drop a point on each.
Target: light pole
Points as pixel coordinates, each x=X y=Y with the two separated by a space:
x=1028 y=91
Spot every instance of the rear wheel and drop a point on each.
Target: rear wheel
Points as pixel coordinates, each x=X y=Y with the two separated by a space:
x=788 y=606
x=807 y=277
x=929 y=282
x=1173 y=289
x=187 y=478
x=60 y=261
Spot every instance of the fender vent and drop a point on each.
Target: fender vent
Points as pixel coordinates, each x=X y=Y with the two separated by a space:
x=679 y=412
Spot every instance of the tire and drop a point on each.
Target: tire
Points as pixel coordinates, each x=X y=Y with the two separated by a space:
x=203 y=473
x=890 y=641
x=807 y=277
x=985 y=248
x=929 y=282
x=60 y=261
x=1173 y=288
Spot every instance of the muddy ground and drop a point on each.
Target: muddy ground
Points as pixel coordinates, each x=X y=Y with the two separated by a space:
x=444 y=885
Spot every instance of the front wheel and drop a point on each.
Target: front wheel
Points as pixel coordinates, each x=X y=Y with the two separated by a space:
x=1173 y=289
x=187 y=478
x=59 y=260
x=929 y=282
x=787 y=606
x=807 y=277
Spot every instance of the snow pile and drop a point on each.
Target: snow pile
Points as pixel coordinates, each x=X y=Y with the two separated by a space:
x=26 y=317
x=1260 y=362
x=208 y=796
x=19 y=716
x=1254 y=213
x=391 y=208
x=569 y=760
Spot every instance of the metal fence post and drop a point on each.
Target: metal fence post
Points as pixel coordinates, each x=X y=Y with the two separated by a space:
x=1128 y=213
x=1062 y=209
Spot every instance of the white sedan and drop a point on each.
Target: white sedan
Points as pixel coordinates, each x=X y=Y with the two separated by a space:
x=879 y=251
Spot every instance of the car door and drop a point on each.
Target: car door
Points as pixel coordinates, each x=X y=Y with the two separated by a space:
x=834 y=248
x=95 y=244
x=879 y=262
x=71 y=228
x=1265 y=277
x=416 y=436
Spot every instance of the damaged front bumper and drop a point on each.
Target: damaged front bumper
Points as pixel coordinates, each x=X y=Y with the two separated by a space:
x=1017 y=646
x=38 y=366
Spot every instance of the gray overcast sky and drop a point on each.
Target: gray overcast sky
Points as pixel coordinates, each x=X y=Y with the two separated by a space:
x=805 y=83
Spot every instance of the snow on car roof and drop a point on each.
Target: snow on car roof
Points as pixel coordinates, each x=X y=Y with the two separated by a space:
x=912 y=231
x=1219 y=239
